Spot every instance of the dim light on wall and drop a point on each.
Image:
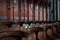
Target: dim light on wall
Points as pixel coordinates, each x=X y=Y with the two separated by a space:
x=15 y=1
x=3 y=17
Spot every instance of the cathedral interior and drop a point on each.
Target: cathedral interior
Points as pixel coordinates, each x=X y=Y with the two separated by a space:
x=29 y=19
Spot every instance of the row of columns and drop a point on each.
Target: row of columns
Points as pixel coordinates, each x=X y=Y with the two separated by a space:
x=24 y=10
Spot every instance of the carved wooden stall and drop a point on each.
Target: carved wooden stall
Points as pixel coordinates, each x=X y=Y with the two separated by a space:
x=38 y=16
x=24 y=10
